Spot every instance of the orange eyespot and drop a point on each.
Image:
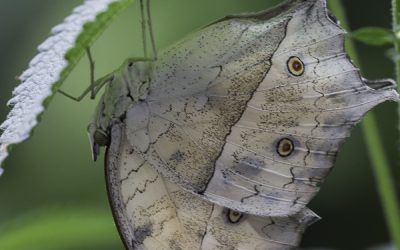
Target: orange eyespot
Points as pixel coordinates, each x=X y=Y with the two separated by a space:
x=295 y=66
x=285 y=147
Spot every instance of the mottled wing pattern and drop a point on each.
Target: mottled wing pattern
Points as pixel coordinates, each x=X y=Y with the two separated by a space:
x=199 y=89
x=153 y=213
x=194 y=95
x=220 y=101
x=315 y=111
x=145 y=215
x=226 y=229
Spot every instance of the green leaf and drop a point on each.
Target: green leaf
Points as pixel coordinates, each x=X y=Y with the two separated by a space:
x=374 y=36
x=61 y=229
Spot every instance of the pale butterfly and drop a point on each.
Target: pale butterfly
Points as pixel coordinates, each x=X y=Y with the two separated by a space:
x=241 y=120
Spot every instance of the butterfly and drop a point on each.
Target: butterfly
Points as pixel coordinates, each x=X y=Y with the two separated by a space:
x=223 y=139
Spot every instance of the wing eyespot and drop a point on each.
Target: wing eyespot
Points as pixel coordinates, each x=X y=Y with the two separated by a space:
x=234 y=216
x=285 y=147
x=295 y=66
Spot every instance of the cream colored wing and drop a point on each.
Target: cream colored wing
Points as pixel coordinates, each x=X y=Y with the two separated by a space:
x=144 y=213
x=310 y=115
x=187 y=118
x=250 y=112
x=153 y=213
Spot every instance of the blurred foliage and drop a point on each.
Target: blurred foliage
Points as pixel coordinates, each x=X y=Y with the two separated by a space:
x=59 y=228
x=374 y=36
x=51 y=192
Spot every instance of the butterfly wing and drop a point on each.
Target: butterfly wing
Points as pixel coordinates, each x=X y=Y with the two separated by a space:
x=199 y=90
x=314 y=111
x=221 y=100
x=193 y=99
x=153 y=213
x=143 y=211
x=223 y=228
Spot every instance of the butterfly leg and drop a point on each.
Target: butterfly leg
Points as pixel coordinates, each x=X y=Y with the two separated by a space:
x=94 y=87
x=92 y=81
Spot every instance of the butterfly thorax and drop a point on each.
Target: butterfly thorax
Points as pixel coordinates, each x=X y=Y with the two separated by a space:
x=128 y=85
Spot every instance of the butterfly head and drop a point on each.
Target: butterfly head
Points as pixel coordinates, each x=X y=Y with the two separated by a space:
x=97 y=138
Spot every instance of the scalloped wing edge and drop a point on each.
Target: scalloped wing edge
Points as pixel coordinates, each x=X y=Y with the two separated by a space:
x=57 y=57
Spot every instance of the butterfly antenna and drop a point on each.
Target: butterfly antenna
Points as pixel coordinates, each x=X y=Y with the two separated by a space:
x=143 y=22
x=152 y=40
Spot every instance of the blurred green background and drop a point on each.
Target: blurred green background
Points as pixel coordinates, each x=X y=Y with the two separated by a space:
x=52 y=196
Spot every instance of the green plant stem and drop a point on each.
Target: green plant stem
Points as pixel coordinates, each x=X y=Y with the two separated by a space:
x=375 y=149
x=396 y=31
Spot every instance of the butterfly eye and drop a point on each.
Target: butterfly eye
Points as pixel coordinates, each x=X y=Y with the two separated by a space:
x=101 y=138
x=295 y=66
x=285 y=147
x=234 y=216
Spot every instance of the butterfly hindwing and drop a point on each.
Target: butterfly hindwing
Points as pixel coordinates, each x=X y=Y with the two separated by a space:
x=153 y=213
